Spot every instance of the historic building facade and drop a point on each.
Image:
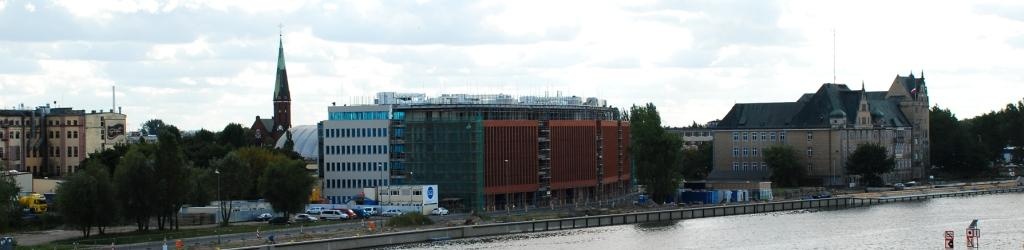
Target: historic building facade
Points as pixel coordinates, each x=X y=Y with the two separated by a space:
x=825 y=127
x=268 y=131
x=52 y=142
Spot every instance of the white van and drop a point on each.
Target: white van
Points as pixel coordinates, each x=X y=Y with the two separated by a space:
x=333 y=215
x=371 y=210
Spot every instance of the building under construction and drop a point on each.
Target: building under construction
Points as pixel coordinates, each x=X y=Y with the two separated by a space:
x=491 y=152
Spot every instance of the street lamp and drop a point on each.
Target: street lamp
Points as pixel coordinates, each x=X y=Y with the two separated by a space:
x=380 y=167
x=220 y=203
x=507 y=182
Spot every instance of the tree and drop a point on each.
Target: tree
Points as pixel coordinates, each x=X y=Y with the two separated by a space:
x=202 y=147
x=151 y=127
x=235 y=136
x=9 y=209
x=233 y=182
x=257 y=158
x=286 y=185
x=786 y=170
x=289 y=144
x=657 y=154
x=171 y=171
x=697 y=162
x=956 y=150
x=870 y=161
x=135 y=183
x=108 y=157
x=86 y=199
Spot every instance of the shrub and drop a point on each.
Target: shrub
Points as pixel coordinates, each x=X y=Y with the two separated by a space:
x=410 y=219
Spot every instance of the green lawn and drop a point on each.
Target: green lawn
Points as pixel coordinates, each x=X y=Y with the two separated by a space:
x=154 y=235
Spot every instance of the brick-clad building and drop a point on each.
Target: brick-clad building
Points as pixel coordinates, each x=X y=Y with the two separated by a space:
x=52 y=142
x=485 y=151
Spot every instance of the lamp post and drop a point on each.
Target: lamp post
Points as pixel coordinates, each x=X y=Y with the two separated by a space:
x=219 y=203
x=380 y=167
x=507 y=182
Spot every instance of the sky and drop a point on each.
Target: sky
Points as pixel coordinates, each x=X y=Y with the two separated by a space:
x=204 y=64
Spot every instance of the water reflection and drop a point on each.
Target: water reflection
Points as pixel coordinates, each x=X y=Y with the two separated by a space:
x=910 y=225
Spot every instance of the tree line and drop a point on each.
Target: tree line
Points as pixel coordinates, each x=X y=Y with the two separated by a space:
x=149 y=183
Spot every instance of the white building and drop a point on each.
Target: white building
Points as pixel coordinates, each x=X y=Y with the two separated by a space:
x=417 y=197
x=355 y=150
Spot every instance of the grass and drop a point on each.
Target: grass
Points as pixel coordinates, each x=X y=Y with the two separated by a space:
x=409 y=219
x=155 y=235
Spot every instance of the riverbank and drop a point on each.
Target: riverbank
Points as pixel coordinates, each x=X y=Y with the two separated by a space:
x=404 y=237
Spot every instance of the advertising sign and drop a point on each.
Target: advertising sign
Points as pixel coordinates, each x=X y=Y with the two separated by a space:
x=429 y=194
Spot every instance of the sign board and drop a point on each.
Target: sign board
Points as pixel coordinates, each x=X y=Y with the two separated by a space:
x=115 y=130
x=430 y=194
x=949 y=239
x=972 y=237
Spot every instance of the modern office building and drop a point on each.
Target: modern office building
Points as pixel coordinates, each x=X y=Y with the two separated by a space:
x=825 y=127
x=486 y=151
x=52 y=142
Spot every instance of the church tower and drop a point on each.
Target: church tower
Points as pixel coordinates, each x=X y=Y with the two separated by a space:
x=282 y=96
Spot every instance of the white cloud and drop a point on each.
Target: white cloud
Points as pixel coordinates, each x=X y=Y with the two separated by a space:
x=176 y=59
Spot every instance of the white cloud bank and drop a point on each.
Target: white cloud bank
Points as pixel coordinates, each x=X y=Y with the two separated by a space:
x=203 y=64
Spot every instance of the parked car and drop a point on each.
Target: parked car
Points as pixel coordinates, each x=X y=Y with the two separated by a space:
x=371 y=211
x=392 y=212
x=264 y=217
x=333 y=215
x=305 y=218
x=279 y=221
x=439 y=211
x=351 y=214
x=898 y=186
x=910 y=184
x=360 y=213
x=315 y=210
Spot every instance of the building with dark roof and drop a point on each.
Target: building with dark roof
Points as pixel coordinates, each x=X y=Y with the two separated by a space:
x=826 y=127
x=268 y=131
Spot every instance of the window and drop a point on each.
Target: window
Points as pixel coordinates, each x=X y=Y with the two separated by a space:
x=753 y=152
x=764 y=136
x=745 y=136
x=746 y=152
x=782 y=136
x=810 y=152
x=753 y=136
x=772 y=136
x=810 y=136
x=735 y=136
x=735 y=152
x=735 y=166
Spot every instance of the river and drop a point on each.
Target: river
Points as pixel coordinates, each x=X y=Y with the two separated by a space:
x=906 y=225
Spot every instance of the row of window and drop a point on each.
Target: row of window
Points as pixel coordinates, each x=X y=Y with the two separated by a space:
x=357 y=116
x=754 y=152
x=30 y=123
x=354 y=183
x=760 y=136
x=51 y=134
x=355 y=149
x=749 y=166
x=355 y=132
x=356 y=166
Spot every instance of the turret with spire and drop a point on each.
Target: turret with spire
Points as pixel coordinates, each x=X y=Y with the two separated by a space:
x=282 y=96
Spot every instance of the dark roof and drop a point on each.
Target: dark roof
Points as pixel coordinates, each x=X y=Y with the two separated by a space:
x=268 y=124
x=814 y=110
x=910 y=83
x=760 y=115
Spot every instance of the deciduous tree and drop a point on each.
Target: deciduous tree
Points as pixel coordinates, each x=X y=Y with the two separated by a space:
x=870 y=161
x=287 y=186
x=786 y=170
x=657 y=154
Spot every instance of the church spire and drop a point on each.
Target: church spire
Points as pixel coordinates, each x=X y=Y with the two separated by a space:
x=281 y=92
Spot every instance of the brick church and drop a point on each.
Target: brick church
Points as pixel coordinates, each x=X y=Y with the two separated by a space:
x=267 y=131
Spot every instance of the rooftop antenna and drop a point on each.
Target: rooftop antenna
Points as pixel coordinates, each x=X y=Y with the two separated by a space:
x=833 y=55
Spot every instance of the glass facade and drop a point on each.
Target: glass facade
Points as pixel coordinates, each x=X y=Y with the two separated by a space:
x=358 y=116
x=447 y=152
